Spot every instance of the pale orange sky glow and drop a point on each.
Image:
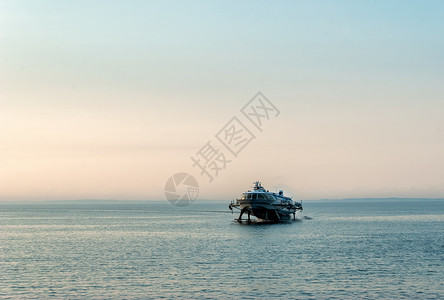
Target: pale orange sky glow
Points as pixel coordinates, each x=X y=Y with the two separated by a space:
x=108 y=104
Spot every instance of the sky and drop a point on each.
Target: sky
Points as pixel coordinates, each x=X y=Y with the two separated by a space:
x=108 y=99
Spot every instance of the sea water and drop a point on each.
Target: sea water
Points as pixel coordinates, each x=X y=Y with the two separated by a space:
x=349 y=249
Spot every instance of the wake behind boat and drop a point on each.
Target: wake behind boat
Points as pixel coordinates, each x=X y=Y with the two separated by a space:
x=266 y=205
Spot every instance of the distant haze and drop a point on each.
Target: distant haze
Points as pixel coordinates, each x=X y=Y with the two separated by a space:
x=108 y=99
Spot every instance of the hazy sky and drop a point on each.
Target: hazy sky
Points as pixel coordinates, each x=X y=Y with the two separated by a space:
x=107 y=99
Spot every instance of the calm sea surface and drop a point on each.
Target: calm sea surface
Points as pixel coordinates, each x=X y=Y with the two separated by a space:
x=338 y=249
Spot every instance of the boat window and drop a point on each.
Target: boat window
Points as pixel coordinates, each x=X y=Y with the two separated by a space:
x=253 y=196
x=271 y=197
x=261 y=196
